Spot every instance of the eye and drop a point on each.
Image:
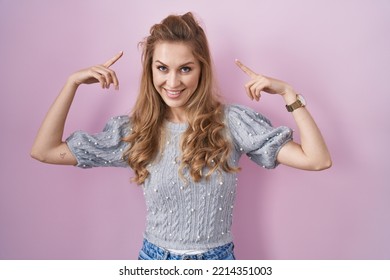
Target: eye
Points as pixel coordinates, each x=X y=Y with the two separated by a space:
x=162 y=68
x=185 y=69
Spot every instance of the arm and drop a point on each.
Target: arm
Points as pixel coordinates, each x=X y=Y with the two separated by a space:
x=311 y=153
x=48 y=146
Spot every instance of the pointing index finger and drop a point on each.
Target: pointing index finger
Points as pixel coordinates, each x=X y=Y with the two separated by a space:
x=246 y=69
x=111 y=61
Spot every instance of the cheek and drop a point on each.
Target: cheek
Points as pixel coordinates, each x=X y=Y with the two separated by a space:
x=156 y=79
x=195 y=81
x=192 y=81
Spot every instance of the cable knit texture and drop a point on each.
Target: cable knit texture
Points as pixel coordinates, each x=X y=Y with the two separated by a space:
x=186 y=215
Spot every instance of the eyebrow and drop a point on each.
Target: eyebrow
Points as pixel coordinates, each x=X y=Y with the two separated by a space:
x=184 y=64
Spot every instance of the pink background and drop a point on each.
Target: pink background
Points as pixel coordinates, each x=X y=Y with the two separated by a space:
x=336 y=53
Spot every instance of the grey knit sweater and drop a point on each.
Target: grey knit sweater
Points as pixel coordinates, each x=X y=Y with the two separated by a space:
x=188 y=215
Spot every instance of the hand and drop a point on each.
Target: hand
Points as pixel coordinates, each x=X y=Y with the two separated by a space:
x=98 y=74
x=260 y=83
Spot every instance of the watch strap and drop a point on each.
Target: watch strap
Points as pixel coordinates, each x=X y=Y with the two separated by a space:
x=295 y=105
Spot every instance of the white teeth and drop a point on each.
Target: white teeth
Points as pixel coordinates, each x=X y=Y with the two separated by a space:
x=176 y=92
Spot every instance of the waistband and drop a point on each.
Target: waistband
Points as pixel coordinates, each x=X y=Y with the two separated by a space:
x=155 y=252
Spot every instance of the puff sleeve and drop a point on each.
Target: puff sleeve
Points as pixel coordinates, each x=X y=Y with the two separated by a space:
x=101 y=149
x=254 y=135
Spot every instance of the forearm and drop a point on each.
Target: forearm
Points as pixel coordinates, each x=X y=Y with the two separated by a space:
x=312 y=152
x=50 y=134
x=48 y=145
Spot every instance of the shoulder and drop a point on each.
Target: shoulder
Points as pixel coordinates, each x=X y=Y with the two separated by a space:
x=236 y=114
x=118 y=124
x=118 y=120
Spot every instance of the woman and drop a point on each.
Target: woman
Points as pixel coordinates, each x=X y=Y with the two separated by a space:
x=182 y=142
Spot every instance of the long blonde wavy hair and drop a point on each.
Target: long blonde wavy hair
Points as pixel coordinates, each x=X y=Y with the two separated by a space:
x=204 y=143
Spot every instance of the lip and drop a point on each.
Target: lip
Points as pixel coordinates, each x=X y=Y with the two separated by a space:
x=173 y=93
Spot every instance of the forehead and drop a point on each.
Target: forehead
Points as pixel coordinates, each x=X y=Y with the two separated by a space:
x=175 y=53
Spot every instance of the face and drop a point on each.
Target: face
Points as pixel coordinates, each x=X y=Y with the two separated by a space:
x=176 y=75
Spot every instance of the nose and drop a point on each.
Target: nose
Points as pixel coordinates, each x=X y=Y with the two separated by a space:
x=173 y=80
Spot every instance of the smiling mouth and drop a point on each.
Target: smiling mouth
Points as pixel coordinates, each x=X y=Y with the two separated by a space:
x=173 y=93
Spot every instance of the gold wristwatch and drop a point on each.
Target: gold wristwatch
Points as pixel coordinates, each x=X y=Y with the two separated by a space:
x=300 y=102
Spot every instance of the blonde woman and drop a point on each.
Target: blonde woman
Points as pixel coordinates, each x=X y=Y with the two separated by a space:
x=182 y=143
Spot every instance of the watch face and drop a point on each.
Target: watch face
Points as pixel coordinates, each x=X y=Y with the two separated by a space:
x=300 y=98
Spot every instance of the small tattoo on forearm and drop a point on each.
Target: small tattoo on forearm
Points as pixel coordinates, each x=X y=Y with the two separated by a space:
x=62 y=155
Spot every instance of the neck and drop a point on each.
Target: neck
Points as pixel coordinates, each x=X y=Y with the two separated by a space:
x=177 y=115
